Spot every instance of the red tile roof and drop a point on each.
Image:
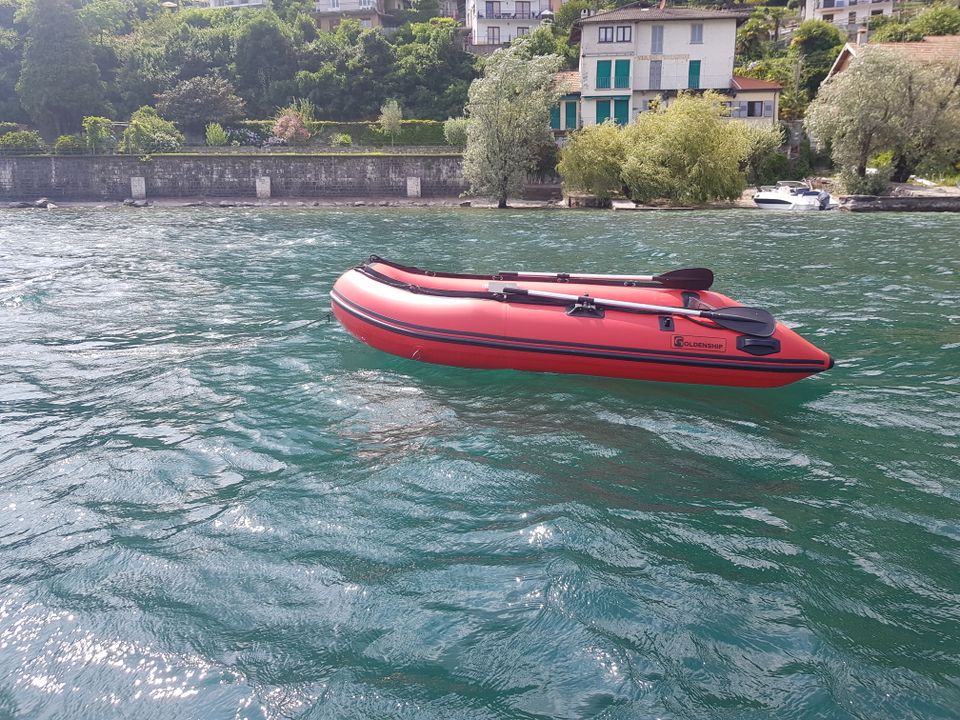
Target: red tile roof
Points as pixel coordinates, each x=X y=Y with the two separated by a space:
x=747 y=83
x=568 y=81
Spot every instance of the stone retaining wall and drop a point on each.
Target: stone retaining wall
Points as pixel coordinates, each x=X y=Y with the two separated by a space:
x=116 y=177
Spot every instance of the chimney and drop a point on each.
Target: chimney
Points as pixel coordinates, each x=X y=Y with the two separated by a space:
x=861 y=35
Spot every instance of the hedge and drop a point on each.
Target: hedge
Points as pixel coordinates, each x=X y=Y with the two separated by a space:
x=412 y=132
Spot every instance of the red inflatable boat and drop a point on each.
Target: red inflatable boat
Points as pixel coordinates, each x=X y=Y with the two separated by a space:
x=668 y=327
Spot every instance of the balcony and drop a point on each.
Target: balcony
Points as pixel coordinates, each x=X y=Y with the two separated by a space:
x=508 y=16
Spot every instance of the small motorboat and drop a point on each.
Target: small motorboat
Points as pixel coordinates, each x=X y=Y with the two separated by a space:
x=793 y=195
x=667 y=327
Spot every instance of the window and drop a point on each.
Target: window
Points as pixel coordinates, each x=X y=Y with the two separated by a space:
x=493 y=36
x=521 y=31
x=621 y=74
x=875 y=13
x=828 y=18
x=571 y=118
x=523 y=10
x=606 y=34
x=693 y=75
x=696 y=34
x=366 y=3
x=555 y=117
x=603 y=74
x=624 y=33
x=603 y=111
x=656 y=39
x=334 y=4
x=366 y=23
x=493 y=9
x=755 y=108
x=656 y=70
x=851 y=18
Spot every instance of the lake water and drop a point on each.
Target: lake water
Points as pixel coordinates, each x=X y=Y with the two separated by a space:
x=214 y=503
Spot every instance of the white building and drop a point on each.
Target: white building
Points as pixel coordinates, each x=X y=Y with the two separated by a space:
x=630 y=56
x=848 y=15
x=497 y=22
x=236 y=3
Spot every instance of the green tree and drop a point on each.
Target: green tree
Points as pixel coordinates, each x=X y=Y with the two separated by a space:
x=886 y=101
x=11 y=53
x=509 y=121
x=432 y=73
x=264 y=63
x=199 y=101
x=59 y=81
x=103 y=18
x=688 y=153
x=593 y=159
x=815 y=44
x=390 y=118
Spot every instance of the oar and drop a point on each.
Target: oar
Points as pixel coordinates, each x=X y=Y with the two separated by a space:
x=752 y=321
x=684 y=279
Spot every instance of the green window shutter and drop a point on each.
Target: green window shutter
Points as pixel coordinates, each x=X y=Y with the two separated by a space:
x=603 y=111
x=621 y=74
x=693 y=75
x=555 y=117
x=571 y=119
x=621 y=111
x=603 y=74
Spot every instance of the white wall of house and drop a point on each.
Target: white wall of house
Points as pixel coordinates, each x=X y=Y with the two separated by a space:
x=499 y=22
x=236 y=3
x=847 y=14
x=685 y=42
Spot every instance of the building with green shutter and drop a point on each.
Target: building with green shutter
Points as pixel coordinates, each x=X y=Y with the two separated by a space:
x=632 y=55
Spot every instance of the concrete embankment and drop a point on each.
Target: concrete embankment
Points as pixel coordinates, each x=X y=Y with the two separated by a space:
x=900 y=203
x=116 y=177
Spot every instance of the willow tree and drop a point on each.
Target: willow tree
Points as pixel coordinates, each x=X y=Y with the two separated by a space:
x=508 y=121
x=688 y=152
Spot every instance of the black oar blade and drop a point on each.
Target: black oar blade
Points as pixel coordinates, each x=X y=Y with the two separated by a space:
x=748 y=320
x=686 y=279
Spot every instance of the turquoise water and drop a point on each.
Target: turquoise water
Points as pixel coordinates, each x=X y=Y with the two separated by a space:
x=214 y=503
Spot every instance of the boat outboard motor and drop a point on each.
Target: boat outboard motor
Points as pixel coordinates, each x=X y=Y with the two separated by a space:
x=823 y=198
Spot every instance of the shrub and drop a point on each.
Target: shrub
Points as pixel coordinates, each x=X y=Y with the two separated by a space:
x=150 y=133
x=21 y=142
x=8 y=127
x=201 y=100
x=69 y=145
x=341 y=140
x=97 y=134
x=216 y=135
x=455 y=131
x=246 y=136
x=873 y=183
x=412 y=132
x=290 y=128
